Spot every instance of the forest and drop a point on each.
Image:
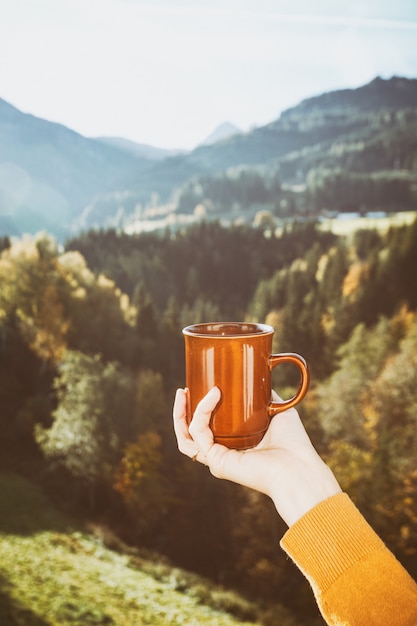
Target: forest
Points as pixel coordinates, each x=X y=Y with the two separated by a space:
x=91 y=353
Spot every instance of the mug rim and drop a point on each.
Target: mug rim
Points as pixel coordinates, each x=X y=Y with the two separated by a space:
x=255 y=329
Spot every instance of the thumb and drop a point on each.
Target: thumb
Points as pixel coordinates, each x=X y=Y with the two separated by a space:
x=200 y=425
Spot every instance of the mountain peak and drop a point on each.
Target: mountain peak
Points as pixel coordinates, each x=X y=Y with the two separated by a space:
x=223 y=131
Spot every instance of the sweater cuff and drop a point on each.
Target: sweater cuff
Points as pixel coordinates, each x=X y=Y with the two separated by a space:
x=328 y=539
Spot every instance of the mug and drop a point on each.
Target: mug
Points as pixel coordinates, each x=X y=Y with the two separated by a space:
x=237 y=357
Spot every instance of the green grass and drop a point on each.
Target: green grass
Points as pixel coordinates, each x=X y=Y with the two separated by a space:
x=52 y=573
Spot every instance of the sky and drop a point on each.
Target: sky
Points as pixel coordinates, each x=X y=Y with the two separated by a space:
x=167 y=72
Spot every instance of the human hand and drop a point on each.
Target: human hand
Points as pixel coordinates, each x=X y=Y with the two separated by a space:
x=284 y=465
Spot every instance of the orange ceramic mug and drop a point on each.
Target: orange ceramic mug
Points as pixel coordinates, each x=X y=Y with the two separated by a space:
x=236 y=357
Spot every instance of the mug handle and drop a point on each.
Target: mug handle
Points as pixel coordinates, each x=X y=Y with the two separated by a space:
x=301 y=363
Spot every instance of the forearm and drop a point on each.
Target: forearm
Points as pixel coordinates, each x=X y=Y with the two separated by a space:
x=356 y=580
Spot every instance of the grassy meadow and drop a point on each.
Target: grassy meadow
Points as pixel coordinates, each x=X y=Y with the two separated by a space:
x=55 y=573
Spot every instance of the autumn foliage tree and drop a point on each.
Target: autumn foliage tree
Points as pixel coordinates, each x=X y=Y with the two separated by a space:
x=142 y=482
x=91 y=352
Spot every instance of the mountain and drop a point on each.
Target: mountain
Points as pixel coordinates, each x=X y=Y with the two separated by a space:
x=370 y=129
x=223 y=131
x=314 y=121
x=394 y=93
x=48 y=173
x=53 y=178
x=142 y=150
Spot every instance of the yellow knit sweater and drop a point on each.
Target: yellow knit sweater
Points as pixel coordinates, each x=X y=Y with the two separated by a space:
x=356 y=580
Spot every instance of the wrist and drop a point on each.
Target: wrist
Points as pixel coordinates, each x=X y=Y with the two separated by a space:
x=306 y=486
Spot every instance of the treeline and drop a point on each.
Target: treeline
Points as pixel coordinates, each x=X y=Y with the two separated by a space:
x=246 y=191
x=204 y=266
x=357 y=162
x=240 y=189
x=91 y=353
x=360 y=192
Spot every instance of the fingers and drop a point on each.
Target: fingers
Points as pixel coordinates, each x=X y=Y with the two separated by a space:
x=196 y=440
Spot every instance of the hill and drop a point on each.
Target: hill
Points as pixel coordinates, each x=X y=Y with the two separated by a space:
x=48 y=173
x=318 y=121
x=367 y=134
x=54 y=573
x=351 y=149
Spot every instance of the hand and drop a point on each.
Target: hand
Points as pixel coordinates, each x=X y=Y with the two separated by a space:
x=284 y=465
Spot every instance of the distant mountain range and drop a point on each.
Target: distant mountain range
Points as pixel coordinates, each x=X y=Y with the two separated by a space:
x=49 y=173
x=140 y=150
x=52 y=178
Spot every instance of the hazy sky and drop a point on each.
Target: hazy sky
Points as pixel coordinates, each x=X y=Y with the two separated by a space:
x=166 y=73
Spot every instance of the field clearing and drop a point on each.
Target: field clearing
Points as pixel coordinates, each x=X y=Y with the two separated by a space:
x=346 y=225
x=67 y=578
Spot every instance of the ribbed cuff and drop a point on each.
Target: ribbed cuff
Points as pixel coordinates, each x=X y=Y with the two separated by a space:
x=328 y=539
